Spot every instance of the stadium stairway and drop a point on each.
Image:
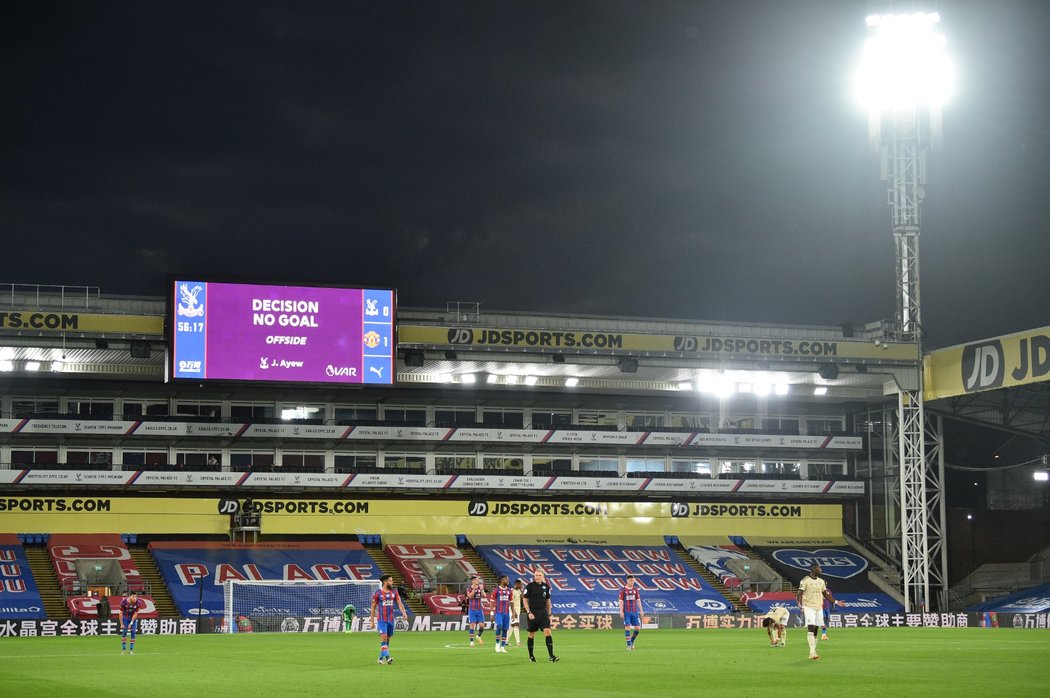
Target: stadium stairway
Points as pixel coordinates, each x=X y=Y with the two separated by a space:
x=158 y=590
x=414 y=602
x=710 y=578
x=488 y=575
x=786 y=584
x=46 y=582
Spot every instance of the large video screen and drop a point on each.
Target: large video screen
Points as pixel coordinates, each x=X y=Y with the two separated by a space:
x=292 y=334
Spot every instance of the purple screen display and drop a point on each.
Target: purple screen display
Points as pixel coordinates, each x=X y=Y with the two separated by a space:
x=294 y=334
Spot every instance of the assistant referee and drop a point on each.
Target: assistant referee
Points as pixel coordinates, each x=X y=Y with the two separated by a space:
x=537 y=601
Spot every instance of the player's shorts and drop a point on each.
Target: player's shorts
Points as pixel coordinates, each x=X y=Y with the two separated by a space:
x=131 y=625
x=501 y=620
x=813 y=616
x=632 y=620
x=475 y=616
x=539 y=622
x=385 y=627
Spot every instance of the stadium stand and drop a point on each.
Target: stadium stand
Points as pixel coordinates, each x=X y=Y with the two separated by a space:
x=588 y=578
x=18 y=588
x=88 y=564
x=196 y=570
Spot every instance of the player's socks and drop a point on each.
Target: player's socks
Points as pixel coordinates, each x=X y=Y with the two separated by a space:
x=550 y=647
x=811 y=638
x=531 y=644
x=471 y=633
x=627 y=637
x=634 y=636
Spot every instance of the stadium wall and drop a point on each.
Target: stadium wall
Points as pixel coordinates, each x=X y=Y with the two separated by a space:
x=406 y=517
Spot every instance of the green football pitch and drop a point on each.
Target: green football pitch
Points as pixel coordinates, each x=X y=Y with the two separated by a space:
x=855 y=662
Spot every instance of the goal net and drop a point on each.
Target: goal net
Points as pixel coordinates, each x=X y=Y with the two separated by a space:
x=283 y=606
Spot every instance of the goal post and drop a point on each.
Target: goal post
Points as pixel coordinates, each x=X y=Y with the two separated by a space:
x=284 y=606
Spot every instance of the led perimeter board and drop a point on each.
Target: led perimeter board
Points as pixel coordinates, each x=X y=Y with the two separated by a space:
x=284 y=334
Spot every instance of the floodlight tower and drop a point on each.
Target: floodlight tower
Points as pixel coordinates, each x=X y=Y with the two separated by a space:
x=903 y=80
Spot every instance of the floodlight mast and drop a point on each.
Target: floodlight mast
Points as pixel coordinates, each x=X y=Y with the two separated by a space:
x=904 y=78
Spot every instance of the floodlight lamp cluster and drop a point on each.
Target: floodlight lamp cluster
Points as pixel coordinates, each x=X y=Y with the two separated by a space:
x=904 y=64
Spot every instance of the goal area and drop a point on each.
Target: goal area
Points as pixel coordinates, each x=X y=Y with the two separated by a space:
x=291 y=606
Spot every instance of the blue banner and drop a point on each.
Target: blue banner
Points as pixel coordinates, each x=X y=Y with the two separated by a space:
x=586 y=579
x=1032 y=600
x=19 y=597
x=854 y=603
x=842 y=569
x=187 y=571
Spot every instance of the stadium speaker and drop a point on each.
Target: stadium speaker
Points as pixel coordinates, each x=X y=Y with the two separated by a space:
x=140 y=349
x=628 y=364
x=414 y=358
x=828 y=372
x=451 y=355
x=101 y=343
x=847 y=329
x=558 y=358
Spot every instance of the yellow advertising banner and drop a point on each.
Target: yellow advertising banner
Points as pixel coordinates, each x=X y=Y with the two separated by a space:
x=618 y=342
x=423 y=519
x=63 y=321
x=989 y=364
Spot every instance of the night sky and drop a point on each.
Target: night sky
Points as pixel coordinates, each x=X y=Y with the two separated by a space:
x=698 y=160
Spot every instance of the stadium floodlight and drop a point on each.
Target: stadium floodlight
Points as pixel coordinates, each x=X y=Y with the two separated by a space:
x=762 y=389
x=7 y=365
x=820 y=390
x=720 y=386
x=32 y=365
x=904 y=63
x=745 y=388
x=510 y=379
x=492 y=378
x=444 y=377
x=57 y=366
x=781 y=388
x=1041 y=475
x=530 y=380
x=685 y=385
x=468 y=379
x=572 y=382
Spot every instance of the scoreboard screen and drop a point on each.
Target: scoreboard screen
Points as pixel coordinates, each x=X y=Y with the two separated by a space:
x=285 y=334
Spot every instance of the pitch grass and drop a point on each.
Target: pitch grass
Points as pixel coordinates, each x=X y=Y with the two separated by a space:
x=855 y=662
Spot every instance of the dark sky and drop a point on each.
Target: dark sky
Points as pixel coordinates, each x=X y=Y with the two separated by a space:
x=700 y=160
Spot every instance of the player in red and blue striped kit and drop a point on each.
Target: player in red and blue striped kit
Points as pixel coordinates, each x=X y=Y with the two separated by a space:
x=631 y=611
x=501 y=597
x=130 y=606
x=475 y=609
x=383 y=601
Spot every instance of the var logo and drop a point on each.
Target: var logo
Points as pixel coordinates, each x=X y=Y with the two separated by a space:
x=460 y=335
x=478 y=509
x=983 y=366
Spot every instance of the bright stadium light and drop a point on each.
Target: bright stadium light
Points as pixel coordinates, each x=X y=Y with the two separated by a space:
x=444 y=377
x=685 y=385
x=1041 y=475
x=468 y=379
x=32 y=365
x=781 y=389
x=510 y=379
x=572 y=382
x=530 y=380
x=492 y=378
x=7 y=365
x=904 y=63
x=820 y=390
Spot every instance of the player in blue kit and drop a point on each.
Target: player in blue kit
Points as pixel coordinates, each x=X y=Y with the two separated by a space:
x=383 y=601
x=501 y=597
x=631 y=611
x=476 y=610
x=130 y=606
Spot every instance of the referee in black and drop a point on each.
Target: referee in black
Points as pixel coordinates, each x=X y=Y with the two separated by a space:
x=537 y=602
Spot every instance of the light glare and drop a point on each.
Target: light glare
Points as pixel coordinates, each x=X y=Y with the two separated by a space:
x=530 y=380
x=468 y=379
x=1041 y=475
x=572 y=382
x=32 y=365
x=820 y=390
x=904 y=63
